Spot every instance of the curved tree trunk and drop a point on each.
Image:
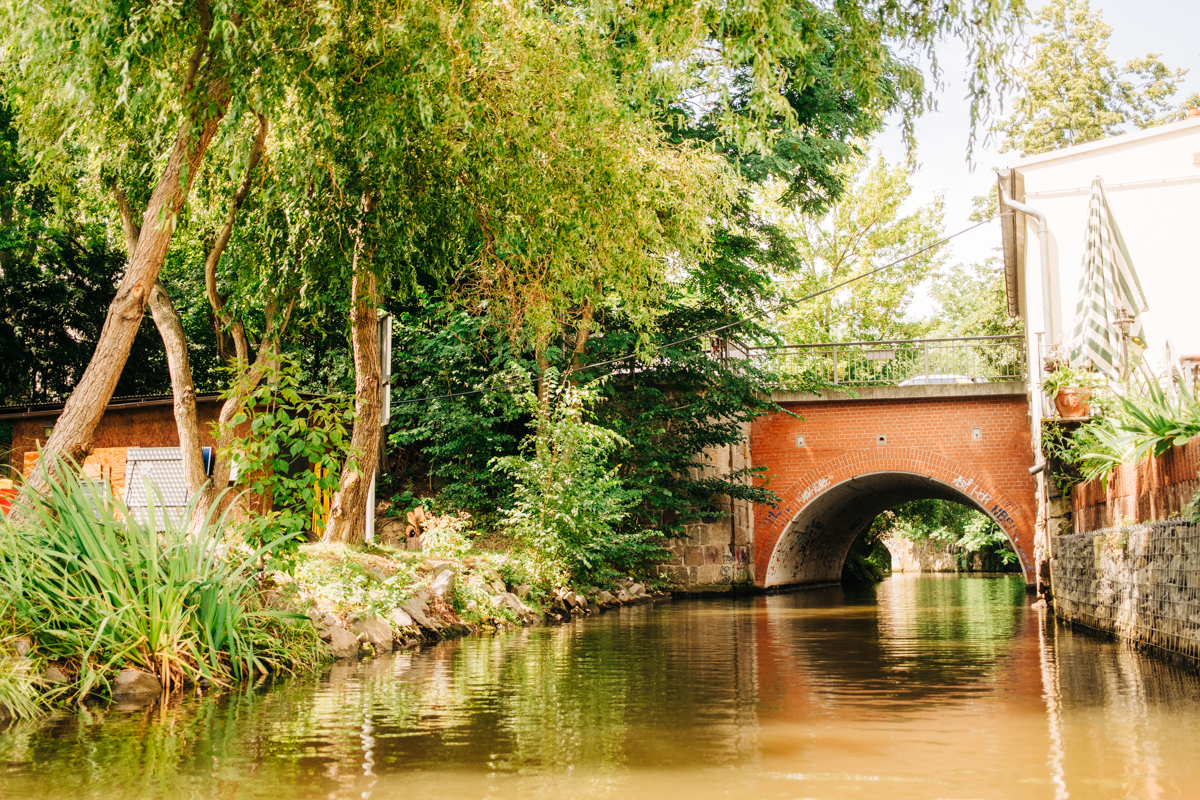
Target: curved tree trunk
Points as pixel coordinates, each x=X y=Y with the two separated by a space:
x=170 y=328
x=348 y=512
x=73 y=432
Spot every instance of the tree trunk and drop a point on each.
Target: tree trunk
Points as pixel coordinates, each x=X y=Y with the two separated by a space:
x=543 y=364
x=76 y=425
x=348 y=512
x=170 y=328
x=582 y=332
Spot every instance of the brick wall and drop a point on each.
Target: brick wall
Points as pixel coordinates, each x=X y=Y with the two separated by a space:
x=137 y=426
x=1151 y=490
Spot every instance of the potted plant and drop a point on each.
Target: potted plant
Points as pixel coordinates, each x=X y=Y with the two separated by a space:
x=1071 y=389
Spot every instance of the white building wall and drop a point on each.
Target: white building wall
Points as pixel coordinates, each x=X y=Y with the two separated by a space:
x=1153 y=183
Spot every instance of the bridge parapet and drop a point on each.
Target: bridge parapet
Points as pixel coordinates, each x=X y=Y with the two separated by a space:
x=917 y=392
x=899 y=362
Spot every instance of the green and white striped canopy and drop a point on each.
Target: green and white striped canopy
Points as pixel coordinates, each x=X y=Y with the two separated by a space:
x=1107 y=287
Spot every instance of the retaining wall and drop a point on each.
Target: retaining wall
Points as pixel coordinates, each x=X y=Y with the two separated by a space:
x=1139 y=582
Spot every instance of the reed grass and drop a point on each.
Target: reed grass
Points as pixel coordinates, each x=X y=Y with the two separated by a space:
x=98 y=591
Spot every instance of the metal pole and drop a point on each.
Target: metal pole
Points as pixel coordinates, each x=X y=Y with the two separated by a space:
x=835 y=365
x=926 y=348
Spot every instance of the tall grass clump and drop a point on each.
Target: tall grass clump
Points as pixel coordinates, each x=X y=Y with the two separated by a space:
x=98 y=591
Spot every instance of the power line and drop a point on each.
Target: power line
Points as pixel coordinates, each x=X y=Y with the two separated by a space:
x=757 y=315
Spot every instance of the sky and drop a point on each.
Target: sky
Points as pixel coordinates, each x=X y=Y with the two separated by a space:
x=1168 y=27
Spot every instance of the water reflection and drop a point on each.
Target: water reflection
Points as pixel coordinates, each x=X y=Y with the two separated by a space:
x=921 y=687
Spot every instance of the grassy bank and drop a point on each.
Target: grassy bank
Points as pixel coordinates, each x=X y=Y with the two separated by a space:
x=96 y=603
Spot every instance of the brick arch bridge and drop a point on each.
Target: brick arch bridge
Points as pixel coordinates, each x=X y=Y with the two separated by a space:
x=838 y=459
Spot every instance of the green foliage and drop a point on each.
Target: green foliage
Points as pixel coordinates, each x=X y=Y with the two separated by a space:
x=58 y=274
x=868 y=560
x=675 y=412
x=439 y=349
x=292 y=451
x=568 y=503
x=982 y=535
x=832 y=115
x=1066 y=376
x=446 y=537
x=20 y=695
x=1143 y=427
x=1072 y=92
x=971 y=301
x=863 y=230
x=1065 y=449
x=98 y=590
x=952 y=524
x=345 y=580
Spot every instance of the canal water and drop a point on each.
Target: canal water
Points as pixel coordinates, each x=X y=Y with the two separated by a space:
x=922 y=687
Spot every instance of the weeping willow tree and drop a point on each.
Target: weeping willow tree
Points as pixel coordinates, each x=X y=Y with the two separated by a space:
x=528 y=140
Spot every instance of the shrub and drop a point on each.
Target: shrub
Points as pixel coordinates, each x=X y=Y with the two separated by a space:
x=1146 y=426
x=568 y=503
x=290 y=456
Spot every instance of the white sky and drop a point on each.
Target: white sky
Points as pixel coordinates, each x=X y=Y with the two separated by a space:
x=1168 y=27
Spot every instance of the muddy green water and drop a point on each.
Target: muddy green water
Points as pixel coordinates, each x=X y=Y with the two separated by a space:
x=923 y=687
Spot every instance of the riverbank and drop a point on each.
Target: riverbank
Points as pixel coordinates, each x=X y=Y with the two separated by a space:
x=99 y=602
x=366 y=601
x=359 y=601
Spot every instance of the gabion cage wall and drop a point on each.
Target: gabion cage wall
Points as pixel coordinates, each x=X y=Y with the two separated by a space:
x=1141 y=583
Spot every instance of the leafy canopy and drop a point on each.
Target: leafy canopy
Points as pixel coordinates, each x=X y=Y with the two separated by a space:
x=1072 y=92
x=865 y=229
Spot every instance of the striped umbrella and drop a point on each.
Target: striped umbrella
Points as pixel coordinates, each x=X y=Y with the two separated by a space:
x=1108 y=289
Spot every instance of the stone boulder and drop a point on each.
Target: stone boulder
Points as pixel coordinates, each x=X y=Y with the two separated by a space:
x=606 y=600
x=324 y=622
x=442 y=583
x=342 y=643
x=513 y=603
x=401 y=619
x=375 y=632
x=522 y=591
x=135 y=683
x=53 y=676
x=416 y=609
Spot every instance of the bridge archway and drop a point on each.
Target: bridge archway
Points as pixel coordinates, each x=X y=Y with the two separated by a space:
x=805 y=539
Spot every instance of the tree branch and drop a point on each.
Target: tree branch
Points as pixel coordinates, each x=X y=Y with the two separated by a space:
x=189 y=78
x=133 y=231
x=237 y=331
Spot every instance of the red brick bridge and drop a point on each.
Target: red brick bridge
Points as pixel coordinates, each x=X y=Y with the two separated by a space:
x=945 y=419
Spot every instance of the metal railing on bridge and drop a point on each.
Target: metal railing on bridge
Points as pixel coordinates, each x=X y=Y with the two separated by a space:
x=903 y=362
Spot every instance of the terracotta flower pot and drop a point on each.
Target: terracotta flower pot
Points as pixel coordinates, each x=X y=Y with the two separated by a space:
x=1072 y=401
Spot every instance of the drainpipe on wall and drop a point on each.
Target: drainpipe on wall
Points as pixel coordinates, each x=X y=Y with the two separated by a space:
x=1034 y=361
x=1049 y=318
